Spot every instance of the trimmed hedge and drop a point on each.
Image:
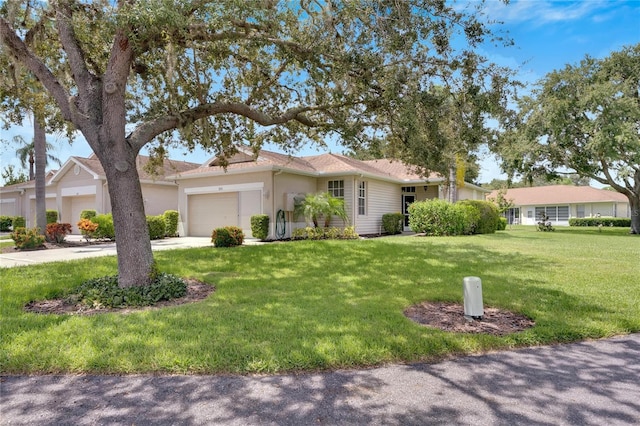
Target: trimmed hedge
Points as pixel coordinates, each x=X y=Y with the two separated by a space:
x=52 y=216
x=333 y=233
x=105 y=230
x=621 y=222
x=260 y=226
x=489 y=216
x=503 y=224
x=229 y=236
x=88 y=214
x=171 y=218
x=5 y=223
x=437 y=217
x=392 y=223
x=18 y=222
x=157 y=227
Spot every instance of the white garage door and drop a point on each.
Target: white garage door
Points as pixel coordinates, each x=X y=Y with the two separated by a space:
x=8 y=208
x=78 y=204
x=210 y=211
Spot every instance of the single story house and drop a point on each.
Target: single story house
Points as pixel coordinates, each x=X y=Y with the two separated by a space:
x=562 y=202
x=81 y=184
x=215 y=195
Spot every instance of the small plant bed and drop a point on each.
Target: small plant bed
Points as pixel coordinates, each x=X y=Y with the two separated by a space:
x=70 y=305
x=450 y=317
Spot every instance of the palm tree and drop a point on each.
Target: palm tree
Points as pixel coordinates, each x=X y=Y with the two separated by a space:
x=26 y=153
x=322 y=205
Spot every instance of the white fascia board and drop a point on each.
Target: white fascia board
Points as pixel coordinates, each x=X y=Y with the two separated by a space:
x=216 y=189
x=7 y=200
x=78 y=190
x=158 y=182
x=222 y=173
x=49 y=195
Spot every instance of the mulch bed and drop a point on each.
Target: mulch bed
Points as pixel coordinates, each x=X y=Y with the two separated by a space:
x=196 y=291
x=450 y=317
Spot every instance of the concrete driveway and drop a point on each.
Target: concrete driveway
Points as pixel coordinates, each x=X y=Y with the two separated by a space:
x=22 y=258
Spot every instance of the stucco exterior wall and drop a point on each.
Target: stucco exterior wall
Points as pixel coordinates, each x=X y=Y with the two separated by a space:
x=283 y=184
x=233 y=182
x=159 y=198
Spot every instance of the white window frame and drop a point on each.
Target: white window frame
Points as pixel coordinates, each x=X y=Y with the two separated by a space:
x=362 y=198
x=336 y=188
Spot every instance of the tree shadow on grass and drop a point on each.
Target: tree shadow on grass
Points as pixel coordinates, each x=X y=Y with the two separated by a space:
x=584 y=383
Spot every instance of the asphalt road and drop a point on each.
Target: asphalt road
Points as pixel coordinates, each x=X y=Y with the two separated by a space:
x=588 y=383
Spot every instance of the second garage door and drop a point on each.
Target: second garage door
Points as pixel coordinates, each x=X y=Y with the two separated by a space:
x=210 y=211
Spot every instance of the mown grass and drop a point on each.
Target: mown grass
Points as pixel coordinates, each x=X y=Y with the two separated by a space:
x=6 y=241
x=329 y=304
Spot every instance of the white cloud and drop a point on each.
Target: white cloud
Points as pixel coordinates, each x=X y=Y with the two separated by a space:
x=540 y=12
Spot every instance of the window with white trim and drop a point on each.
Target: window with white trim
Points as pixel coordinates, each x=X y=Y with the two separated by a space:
x=336 y=188
x=362 y=198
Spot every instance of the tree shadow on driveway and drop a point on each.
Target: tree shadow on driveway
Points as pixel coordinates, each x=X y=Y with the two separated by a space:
x=584 y=383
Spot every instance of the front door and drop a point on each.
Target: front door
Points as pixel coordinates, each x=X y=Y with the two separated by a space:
x=407 y=200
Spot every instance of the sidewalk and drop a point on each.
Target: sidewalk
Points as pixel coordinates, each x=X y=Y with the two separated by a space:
x=22 y=258
x=588 y=383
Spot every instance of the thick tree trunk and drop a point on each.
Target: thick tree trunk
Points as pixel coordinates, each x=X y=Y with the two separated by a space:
x=136 y=266
x=40 y=148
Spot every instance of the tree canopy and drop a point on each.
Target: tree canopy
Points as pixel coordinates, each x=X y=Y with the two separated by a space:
x=218 y=74
x=583 y=119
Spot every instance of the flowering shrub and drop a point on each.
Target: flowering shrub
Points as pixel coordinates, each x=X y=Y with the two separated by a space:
x=56 y=232
x=27 y=238
x=87 y=228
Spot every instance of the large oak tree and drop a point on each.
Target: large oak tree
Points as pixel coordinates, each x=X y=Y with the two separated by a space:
x=584 y=120
x=220 y=73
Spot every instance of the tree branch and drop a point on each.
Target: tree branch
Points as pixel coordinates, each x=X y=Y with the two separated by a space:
x=147 y=131
x=74 y=52
x=21 y=53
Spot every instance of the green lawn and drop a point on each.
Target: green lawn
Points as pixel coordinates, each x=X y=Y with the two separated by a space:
x=329 y=304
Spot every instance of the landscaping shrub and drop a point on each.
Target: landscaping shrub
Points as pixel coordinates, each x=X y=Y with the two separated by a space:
x=87 y=228
x=489 y=216
x=88 y=214
x=392 y=223
x=229 y=236
x=622 y=222
x=5 y=223
x=471 y=219
x=171 y=218
x=52 y=216
x=104 y=292
x=18 y=222
x=27 y=238
x=260 y=226
x=157 y=227
x=57 y=232
x=502 y=225
x=436 y=217
x=333 y=233
x=105 y=230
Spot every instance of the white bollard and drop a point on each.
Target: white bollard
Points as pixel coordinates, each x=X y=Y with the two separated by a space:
x=472 y=291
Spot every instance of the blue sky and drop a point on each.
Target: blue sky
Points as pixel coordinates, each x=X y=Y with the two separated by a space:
x=548 y=35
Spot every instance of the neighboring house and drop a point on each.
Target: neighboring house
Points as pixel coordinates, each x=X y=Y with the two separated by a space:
x=20 y=199
x=81 y=184
x=213 y=196
x=562 y=202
